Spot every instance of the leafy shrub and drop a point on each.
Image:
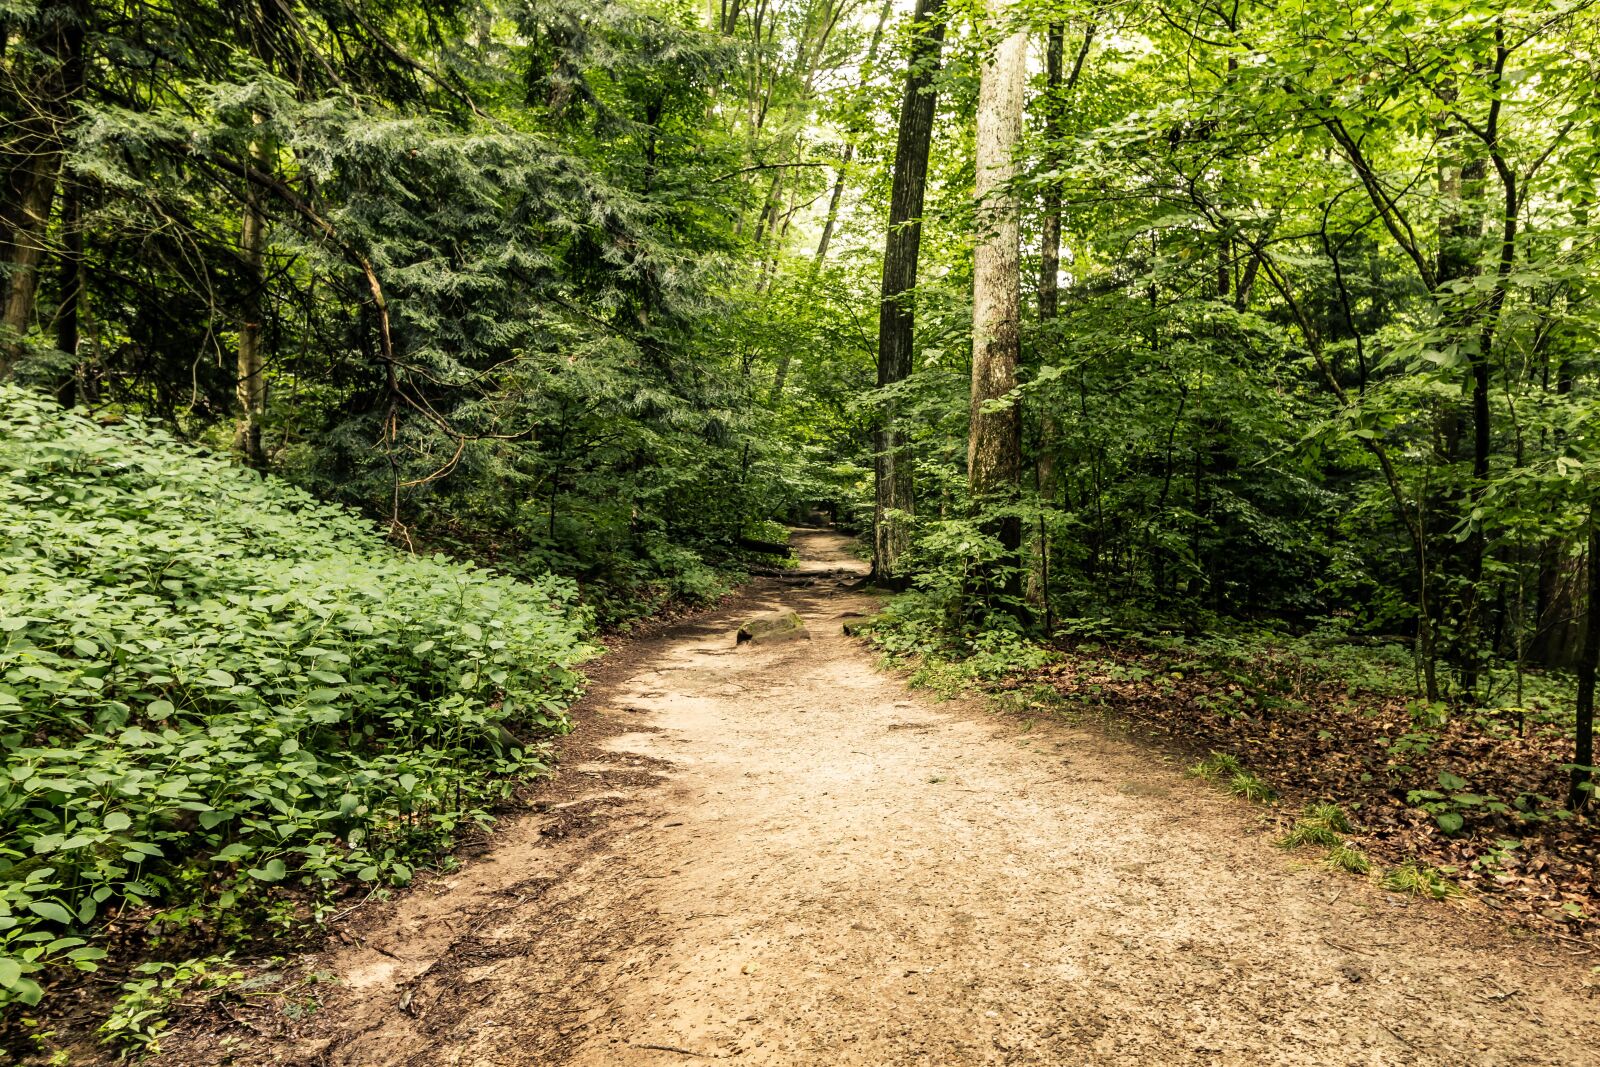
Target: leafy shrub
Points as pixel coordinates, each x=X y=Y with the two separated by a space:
x=1449 y=810
x=140 y=1014
x=221 y=699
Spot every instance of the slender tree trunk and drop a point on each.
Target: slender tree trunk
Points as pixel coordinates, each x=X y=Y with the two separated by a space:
x=849 y=152
x=35 y=146
x=38 y=186
x=834 y=199
x=1049 y=304
x=994 y=443
x=73 y=276
x=1580 y=794
x=74 y=272
x=894 y=496
x=251 y=388
x=1460 y=231
x=1467 y=231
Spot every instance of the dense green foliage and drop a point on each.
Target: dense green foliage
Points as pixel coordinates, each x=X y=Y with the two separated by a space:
x=1286 y=267
x=222 y=698
x=1320 y=345
x=1306 y=347
x=477 y=251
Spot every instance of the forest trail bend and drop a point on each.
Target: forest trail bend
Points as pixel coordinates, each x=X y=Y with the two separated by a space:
x=777 y=855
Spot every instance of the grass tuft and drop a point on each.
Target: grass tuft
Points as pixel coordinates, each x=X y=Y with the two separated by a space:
x=1330 y=815
x=1244 y=784
x=1216 y=767
x=1420 y=880
x=1224 y=769
x=1323 y=825
x=1308 y=832
x=1348 y=858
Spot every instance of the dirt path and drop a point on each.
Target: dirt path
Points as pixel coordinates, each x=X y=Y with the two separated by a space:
x=778 y=855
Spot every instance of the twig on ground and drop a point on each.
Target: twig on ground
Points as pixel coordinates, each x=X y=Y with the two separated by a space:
x=673 y=1048
x=1395 y=1034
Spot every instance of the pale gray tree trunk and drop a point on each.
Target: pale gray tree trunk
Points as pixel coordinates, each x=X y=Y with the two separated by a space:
x=994 y=444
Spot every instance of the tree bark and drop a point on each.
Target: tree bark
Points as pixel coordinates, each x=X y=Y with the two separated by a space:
x=72 y=279
x=902 y=246
x=1049 y=304
x=994 y=443
x=37 y=186
x=1460 y=233
x=251 y=387
x=1580 y=793
x=34 y=168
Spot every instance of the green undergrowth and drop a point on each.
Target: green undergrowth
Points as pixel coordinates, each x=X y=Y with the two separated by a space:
x=1326 y=826
x=1420 y=880
x=624 y=583
x=226 y=705
x=909 y=631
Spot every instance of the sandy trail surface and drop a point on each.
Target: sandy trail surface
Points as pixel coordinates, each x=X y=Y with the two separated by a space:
x=779 y=855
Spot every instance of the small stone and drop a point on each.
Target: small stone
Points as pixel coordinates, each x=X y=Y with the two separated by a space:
x=772 y=626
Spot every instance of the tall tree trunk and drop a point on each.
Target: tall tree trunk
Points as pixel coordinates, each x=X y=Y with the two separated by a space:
x=73 y=276
x=74 y=272
x=994 y=444
x=36 y=185
x=1580 y=793
x=1460 y=187
x=1466 y=231
x=1049 y=304
x=251 y=388
x=1056 y=93
x=902 y=246
x=35 y=147
x=1049 y=298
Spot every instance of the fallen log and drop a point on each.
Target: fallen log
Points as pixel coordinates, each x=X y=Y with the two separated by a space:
x=770 y=548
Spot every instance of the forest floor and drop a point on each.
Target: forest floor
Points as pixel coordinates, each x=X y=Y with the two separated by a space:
x=778 y=855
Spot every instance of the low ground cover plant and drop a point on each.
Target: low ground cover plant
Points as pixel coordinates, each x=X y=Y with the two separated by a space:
x=223 y=703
